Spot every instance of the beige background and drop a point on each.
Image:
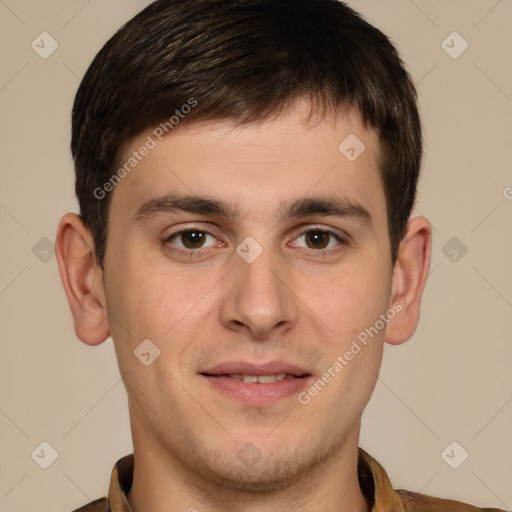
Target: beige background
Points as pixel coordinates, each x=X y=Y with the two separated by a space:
x=451 y=382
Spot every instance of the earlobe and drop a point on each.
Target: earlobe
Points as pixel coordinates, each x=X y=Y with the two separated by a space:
x=82 y=279
x=409 y=278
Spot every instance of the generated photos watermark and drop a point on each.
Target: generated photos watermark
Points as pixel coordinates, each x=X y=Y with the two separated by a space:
x=150 y=143
x=355 y=348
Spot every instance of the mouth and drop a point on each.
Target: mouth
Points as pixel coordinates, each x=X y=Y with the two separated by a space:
x=257 y=384
x=279 y=369
x=260 y=379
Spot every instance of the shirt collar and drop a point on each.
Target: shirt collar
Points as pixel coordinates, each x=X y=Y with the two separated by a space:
x=373 y=480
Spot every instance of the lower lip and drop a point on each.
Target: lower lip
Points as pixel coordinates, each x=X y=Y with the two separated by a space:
x=254 y=393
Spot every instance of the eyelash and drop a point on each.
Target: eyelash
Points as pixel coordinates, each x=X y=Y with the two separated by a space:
x=191 y=252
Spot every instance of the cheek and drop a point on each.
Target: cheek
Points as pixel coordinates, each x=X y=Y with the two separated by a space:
x=354 y=306
x=159 y=303
x=151 y=297
x=348 y=300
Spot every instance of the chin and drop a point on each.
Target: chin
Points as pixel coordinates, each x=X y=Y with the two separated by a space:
x=264 y=477
x=256 y=472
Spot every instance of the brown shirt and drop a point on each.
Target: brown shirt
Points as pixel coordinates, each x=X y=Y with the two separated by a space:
x=373 y=479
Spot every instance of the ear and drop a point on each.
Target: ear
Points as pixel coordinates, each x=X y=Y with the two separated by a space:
x=82 y=279
x=409 y=277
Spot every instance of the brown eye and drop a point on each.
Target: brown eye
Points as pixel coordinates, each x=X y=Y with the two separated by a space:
x=318 y=239
x=191 y=239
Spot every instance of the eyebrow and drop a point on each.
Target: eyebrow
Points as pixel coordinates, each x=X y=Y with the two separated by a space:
x=338 y=206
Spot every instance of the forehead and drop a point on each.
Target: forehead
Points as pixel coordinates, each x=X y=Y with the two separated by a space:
x=262 y=163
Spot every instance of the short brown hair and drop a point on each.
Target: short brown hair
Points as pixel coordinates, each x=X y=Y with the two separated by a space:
x=243 y=60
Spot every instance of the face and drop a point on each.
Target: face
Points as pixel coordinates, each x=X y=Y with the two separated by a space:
x=253 y=253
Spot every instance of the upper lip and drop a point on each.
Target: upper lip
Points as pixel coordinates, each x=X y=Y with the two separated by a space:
x=248 y=368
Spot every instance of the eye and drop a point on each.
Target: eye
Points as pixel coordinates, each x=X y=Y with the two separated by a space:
x=188 y=241
x=191 y=239
x=319 y=239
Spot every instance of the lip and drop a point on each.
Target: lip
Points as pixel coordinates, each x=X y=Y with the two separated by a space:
x=256 y=394
x=269 y=368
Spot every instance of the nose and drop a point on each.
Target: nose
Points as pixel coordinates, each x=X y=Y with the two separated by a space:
x=258 y=299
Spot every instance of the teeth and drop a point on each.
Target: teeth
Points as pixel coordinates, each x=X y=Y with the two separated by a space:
x=262 y=379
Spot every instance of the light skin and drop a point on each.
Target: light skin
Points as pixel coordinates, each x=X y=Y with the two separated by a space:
x=303 y=301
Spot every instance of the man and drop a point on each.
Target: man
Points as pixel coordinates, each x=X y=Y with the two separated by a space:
x=246 y=172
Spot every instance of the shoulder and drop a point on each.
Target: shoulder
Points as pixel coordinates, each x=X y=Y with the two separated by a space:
x=414 y=502
x=99 y=505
